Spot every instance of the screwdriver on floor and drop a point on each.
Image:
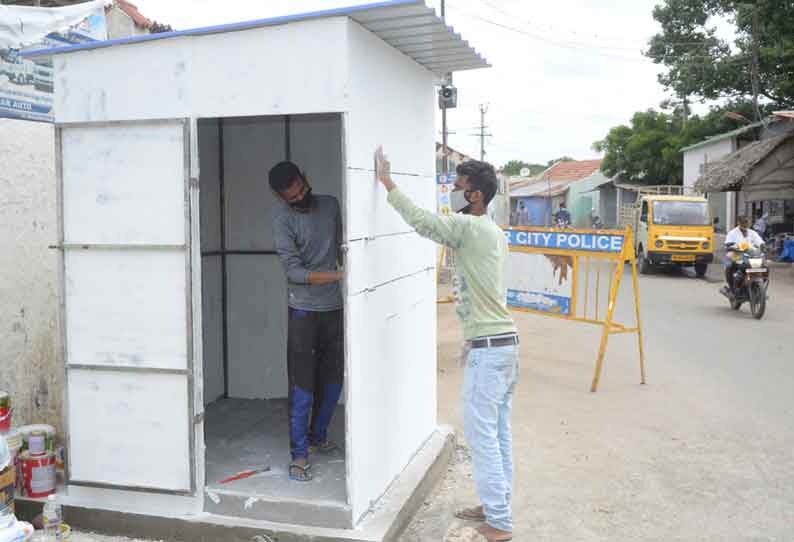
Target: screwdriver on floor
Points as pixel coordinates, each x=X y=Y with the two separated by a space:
x=245 y=474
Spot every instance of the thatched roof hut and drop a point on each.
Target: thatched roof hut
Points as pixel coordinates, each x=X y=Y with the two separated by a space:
x=753 y=164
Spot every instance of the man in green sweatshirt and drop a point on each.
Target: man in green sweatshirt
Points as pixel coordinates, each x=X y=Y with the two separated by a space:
x=492 y=364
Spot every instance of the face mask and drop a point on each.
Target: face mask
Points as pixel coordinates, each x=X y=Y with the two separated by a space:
x=459 y=203
x=305 y=203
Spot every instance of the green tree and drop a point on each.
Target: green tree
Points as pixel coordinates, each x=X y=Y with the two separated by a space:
x=703 y=66
x=514 y=167
x=648 y=150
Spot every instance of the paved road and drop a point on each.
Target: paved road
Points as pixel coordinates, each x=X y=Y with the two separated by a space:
x=704 y=452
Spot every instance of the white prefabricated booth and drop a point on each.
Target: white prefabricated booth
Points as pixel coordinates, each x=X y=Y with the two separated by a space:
x=174 y=301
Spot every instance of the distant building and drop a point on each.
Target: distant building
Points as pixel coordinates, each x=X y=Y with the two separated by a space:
x=566 y=182
x=726 y=205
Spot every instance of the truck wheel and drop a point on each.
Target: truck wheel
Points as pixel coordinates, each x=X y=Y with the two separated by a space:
x=700 y=269
x=645 y=264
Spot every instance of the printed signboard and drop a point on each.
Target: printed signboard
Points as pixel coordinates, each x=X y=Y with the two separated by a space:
x=27 y=85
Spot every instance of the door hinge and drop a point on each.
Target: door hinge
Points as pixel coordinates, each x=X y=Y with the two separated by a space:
x=198 y=418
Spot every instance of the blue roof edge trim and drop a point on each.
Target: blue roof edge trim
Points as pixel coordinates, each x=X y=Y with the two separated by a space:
x=229 y=27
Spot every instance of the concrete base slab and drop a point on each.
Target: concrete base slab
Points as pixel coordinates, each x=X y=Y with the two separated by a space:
x=243 y=434
x=383 y=523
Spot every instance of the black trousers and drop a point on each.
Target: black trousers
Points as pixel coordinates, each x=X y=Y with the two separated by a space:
x=315 y=365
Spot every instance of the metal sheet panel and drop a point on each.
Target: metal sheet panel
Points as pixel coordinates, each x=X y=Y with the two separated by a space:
x=124 y=184
x=129 y=429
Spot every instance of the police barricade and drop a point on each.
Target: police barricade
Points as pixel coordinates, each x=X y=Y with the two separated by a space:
x=561 y=272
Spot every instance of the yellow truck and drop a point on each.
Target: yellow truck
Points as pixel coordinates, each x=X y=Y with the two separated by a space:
x=673 y=230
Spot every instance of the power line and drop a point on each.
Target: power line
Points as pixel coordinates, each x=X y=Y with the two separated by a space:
x=592 y=48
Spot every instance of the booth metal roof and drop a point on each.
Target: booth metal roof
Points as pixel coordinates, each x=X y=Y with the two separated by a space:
x=407 y=25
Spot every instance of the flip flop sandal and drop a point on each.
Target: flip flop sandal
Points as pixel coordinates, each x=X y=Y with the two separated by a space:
x=324 y=448
x=470 y=514
x=300 y=473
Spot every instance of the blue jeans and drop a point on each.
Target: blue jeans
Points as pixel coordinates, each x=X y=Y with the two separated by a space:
x=489 y=380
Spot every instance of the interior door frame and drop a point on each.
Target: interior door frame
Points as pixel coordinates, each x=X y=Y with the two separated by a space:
x=191 y=246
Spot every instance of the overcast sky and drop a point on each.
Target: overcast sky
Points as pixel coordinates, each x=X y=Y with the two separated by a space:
x=564 y=71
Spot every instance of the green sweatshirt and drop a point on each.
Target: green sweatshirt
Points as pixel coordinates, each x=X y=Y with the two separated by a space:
x=480 y=259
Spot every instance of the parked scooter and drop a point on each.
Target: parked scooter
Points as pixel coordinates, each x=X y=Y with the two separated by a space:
x=750 y=279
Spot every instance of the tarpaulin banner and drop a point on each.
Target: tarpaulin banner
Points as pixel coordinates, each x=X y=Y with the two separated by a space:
x=27 y=85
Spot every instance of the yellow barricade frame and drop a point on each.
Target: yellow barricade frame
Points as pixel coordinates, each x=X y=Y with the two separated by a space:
x=626 y=255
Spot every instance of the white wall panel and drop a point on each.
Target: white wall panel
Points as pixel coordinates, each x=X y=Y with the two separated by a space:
x=296 y=68
x=257 y=318
x=124 y=184
x=142 y=420
x=369 y=213
x=209 y=183
x=251 y=147
x=392 y=102
x=382 y=259
x=126 y=308
x=391 y=331
x=392 y=382
x=316 y=147
x=145 y=81
x=229 y=74
x=212 y=328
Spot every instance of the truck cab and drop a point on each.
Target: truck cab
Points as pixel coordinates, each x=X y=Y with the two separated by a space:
x=673 y=230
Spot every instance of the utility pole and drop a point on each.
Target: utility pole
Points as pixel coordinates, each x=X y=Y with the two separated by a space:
x=444 y=139
x=483 y=111
x=755 y=69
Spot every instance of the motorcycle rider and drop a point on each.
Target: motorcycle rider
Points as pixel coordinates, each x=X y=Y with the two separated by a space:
x=741 y=234
x=562 y=217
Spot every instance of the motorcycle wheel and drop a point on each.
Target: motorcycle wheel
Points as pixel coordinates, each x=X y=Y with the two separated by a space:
x=757 y=300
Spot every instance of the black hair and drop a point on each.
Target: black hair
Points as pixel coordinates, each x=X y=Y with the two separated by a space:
x=282 y=175
x=482 y=177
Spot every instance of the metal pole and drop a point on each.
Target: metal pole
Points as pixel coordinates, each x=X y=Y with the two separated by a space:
x=444 y=140
x=755 y=82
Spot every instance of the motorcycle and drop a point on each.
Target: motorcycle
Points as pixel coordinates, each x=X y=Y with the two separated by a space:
x=750 y=280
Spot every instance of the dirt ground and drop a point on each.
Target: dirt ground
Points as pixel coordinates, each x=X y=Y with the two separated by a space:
x=700 y=453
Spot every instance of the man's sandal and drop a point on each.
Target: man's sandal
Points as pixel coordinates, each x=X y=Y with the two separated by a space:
x=474 y=513
x=300 y=473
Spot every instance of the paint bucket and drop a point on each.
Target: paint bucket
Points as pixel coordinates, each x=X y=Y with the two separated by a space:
x=49 y=437
x=37 y=443
x=7 y=484
x=5 y=412
x=38 y=474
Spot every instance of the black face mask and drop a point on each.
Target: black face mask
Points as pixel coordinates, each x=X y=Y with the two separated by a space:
x=305 y=203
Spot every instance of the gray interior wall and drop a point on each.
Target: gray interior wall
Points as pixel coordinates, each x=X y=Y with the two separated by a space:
x=211 y=294
x=256 y=293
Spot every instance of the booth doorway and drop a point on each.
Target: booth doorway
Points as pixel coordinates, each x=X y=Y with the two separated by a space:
x=244 y=318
